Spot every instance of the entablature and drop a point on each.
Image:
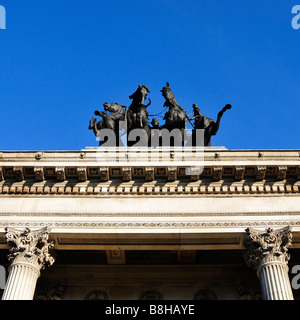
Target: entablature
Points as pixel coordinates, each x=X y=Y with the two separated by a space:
x=97 y=171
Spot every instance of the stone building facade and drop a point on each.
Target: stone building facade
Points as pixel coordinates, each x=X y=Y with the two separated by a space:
x=76 y=225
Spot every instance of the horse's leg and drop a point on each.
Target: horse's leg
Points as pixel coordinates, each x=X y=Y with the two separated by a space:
x=129 y=119
x=95 y=126
x=92 y=123
x=144 y=119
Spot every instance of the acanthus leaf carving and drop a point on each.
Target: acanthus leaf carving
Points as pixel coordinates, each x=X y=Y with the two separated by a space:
x=267 y=246
x=30 y=247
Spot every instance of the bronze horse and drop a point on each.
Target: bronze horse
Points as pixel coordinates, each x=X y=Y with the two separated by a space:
x=109 y=121
x=137 y=115
x=175 y=117
x=209 y=125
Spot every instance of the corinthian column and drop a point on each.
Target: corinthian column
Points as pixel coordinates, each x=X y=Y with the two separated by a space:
x=267 y=253
x=29 y=255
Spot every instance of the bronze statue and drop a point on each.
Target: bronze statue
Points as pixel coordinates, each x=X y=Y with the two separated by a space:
x=175 y=117
x=155 y=124
x=136 y=117
x=137 y=114
x=109 y=121
x=209 y=126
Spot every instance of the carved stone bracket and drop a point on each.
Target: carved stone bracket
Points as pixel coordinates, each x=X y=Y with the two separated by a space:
x=239 y=173
x=217 y=173
x=19 y=175
x=60 y=174
x=267 y=246
x=261 y=173
x=127 y=174
x=172 y=173
x=30 y=247
x=149 y=173
x=39 y=173
x=281 y=173
x=104 y=174
x=82 y=174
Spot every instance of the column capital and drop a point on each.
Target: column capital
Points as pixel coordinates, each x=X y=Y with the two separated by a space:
x=29 y=247
x=269 y=246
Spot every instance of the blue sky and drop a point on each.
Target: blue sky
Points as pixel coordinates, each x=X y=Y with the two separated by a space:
x=62 y=59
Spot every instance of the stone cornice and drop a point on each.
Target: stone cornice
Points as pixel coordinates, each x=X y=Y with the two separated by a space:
x=88 y=172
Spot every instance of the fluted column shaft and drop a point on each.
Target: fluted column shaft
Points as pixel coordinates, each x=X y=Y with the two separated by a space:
x=29 y=254
x=21 y=282
x=267 y=253
x=275 y=282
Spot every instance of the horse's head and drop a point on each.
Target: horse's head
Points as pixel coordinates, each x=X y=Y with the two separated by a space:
x=140 y=94
x=113 y=107
x=169 y=95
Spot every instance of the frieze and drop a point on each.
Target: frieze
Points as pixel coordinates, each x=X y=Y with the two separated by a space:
x=151 y=225
x=149 y=214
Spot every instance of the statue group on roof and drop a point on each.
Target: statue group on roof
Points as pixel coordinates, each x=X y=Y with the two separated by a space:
x=136 y=116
